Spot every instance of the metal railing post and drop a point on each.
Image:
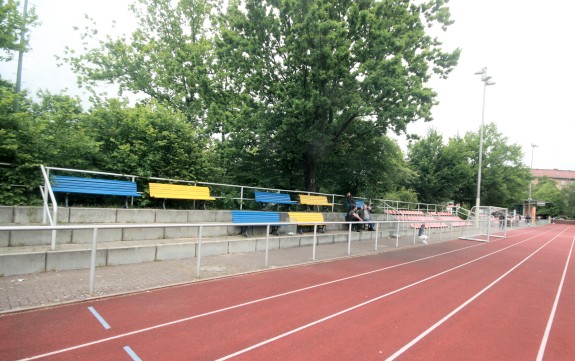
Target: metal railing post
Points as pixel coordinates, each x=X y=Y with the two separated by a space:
x=268 y=245
x=93 y=259
x=199 y=252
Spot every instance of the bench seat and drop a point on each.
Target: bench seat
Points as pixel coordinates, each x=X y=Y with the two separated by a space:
x=255 y=217
x=307 y=217
x=179 y=191
x=68 y=184
x=314 y=200
x=277 y=198
x=98 y=186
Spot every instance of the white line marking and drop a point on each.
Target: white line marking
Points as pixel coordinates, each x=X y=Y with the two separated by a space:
x=463 y=305
x=72 y=348
x=250 y=348
x=132 y=354
x=99 y=318
x=554 y=309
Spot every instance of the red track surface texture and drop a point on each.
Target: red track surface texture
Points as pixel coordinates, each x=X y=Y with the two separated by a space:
x=510 y=299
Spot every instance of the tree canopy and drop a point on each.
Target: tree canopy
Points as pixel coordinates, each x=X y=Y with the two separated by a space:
x=285 y=79
x=14 y=25
x=280 y=94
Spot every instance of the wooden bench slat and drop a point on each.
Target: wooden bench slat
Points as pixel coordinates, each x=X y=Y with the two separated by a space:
x=255 y=217
x=269 y=197
x=178 y=191
x=307 y=217
x=69 y=184
x=314 y=200
x=297 y=217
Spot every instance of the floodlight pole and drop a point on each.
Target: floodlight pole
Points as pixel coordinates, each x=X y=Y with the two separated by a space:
x=533 y=146
x=486 y=81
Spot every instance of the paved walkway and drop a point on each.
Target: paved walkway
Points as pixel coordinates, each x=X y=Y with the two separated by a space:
x=30 y=291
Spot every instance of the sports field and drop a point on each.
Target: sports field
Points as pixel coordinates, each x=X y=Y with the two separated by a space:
x=509 y=299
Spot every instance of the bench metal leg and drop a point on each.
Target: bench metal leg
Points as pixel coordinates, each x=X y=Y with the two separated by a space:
x=244 y=231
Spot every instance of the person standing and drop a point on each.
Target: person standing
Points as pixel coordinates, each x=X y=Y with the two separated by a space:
x=349 y=202
x=422 y=236
x=501 y=220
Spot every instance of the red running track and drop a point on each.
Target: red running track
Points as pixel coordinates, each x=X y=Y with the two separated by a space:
x=510 y=299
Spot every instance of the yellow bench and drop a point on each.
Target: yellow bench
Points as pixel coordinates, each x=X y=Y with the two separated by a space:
x=307 y=217
x=177 y=191
x=314 y=201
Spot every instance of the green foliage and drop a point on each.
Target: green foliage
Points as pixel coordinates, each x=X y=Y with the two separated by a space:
x=440 y=169
x=166 y=58
x=402 y=195
x=568 y=194
x=286 y=80
x=504 y=177
x=546 y=191
x=316 y=68
x=147 y=140
x=12 y=23
x=365 y=163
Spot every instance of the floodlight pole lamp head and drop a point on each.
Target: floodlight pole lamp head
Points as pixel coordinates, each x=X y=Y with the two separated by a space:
x=487 y=80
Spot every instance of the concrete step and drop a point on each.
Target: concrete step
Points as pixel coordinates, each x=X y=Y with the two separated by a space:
x=40 y=258
x=29 y=251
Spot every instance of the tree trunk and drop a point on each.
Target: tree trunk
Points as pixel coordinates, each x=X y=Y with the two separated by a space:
x=310 y=171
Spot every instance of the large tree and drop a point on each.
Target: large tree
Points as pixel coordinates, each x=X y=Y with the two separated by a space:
x=316 y=67
x=504 y=177
x=441 y=170
x=287 y=79
x=167 y=58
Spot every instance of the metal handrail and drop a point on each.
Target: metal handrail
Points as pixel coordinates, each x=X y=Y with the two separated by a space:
x=387 y=203
x=201 y=226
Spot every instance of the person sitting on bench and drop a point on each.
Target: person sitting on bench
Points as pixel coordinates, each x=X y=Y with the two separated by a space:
x=352 y=216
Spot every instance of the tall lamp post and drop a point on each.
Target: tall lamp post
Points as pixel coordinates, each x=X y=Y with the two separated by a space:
x=487 y=80
x=533 y=146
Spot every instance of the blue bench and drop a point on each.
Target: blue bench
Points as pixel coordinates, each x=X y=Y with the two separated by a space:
x=276 y=198
x=251 y=218
x=68 y=184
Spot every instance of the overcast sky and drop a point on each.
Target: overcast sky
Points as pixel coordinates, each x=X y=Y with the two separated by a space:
x=526 y=45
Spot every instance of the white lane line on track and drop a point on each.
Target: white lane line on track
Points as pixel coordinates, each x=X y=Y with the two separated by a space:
x=301 y=328
x=151 y=328
x=99 y=318
x=132 y=354
x=554 y=308
x=464 y=304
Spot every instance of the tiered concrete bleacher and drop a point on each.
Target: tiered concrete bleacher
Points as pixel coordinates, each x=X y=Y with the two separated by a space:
x=27 y=251
x=417 y=217
x=453 y=220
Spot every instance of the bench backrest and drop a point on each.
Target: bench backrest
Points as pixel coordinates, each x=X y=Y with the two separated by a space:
x=69 y=184
x=268 y=197
x=314 y=200
x=178 y=191
x=359 y=203
x=303 y=217
x=255 y=217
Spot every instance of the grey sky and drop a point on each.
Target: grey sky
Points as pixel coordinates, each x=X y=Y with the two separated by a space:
x=525 y=45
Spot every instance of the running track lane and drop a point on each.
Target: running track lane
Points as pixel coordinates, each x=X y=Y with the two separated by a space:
x=374 y=330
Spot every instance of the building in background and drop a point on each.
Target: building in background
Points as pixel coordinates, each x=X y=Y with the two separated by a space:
x=561 y=177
